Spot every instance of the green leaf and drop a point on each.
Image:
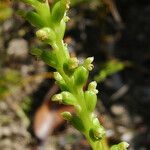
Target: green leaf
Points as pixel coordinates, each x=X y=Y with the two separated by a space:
x=36 y=52
x=91 y=100
x=80 y=76
x=34 y=19
x=49 y=58
x=77 y=123
x=59 y=11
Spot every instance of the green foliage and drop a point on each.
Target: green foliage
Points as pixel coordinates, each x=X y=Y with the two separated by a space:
x=70 y=75
x=80 y=76
x=26 y=105
x=91 y=99
x=8 y=79
x=108 y=69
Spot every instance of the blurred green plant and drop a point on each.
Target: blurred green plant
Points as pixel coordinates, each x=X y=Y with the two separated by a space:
x=5 y=10
x=8 y=80
x=109 y=68
x=70 y=75
x=26 y=104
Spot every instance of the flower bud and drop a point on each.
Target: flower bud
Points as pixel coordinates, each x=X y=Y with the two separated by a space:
x=97 y=133
x=92 y=87
x=73 y=63
x=57 y=76
x=70 y=66
x=66 y=115
x=123 y=146
x=90 y=99
x=114 y=147
x=120 y=146
x=88 y=63
x=96 y=122
x=66 y=19
x=80 y=76
x=60 y=81
x=68 y=98
x=57 y=98
x=46 y=35
x=78 y=108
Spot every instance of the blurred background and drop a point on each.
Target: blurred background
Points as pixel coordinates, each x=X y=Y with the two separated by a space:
x=116 y=33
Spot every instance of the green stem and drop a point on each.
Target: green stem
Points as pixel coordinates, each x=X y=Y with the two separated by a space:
x=79 y=94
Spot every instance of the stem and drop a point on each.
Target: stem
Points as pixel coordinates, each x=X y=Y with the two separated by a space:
x=84 y=115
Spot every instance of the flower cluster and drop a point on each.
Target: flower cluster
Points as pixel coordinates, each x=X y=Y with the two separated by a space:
x=70 y=75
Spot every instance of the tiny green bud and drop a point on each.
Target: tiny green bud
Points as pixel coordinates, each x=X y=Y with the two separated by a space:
x=68 y=98
x=57 y=97
x=93 y=116
x=70 y=65
x=92 y=87
x=97 y=133
x=96 y=122
x=46 y=35
x=57 y=76
x=66 y=115
x=88 y=63
x=91 y=100
x=123 y=146
x=73 y=63
x=60 y=81
x=78 y=108
x=114 y=147
x=120 y=146
x=80 y=76
x=66 y=19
